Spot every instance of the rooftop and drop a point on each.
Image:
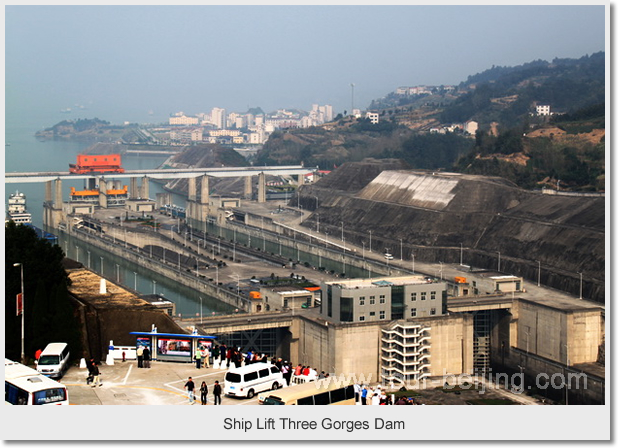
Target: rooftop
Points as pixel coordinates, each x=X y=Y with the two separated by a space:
x=358 y=283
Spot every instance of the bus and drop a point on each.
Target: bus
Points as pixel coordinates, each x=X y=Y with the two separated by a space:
x=26 y=386
x=321 y=392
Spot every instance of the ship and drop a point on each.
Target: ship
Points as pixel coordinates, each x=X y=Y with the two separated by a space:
x=17 y=209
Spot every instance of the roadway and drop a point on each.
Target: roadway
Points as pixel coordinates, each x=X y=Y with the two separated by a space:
x=175 y=173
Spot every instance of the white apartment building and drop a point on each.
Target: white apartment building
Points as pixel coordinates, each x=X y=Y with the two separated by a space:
x=183 y=120
x=218 y=117
x=543 y=109
x=405 y=352
x=374 y=117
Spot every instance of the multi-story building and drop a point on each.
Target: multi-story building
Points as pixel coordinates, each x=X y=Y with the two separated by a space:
x=543 y=109
x=218 y=118
x=183 y=120
x=374 y=117
x=383 y=299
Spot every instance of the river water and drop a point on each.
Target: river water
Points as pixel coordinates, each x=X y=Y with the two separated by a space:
x=23 y=152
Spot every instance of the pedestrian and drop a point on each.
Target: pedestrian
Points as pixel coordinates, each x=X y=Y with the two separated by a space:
x=198 y=359
x=140 y=357
x=204 y=393
x=146 y=355
x=217 y=392
x=95 y=376
x=215 y=353
x=37 y=355
x=206 y=357
x=228 y=357
x=223 y=353
x=189 y=387
x=364 y=393
x=357 y=392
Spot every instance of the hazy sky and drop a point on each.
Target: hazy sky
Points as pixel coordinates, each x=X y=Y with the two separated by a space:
x=127 y=60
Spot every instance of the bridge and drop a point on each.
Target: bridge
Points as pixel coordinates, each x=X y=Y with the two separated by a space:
x=171 y=173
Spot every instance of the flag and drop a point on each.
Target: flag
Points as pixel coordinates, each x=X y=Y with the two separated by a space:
x=20 y=304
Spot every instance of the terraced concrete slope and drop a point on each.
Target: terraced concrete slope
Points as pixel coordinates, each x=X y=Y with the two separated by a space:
x=435 y=213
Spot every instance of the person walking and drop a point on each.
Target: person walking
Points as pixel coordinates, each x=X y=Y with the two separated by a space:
x=206 y=357
x=198 y=359
x=204 y=393
x=95 y=376
x=364 y=393
x=216 y=391
x=215 y=354
x=146 y=355
x=189 y=387
x=223 y=353
x=357 y=392
x=140 y=357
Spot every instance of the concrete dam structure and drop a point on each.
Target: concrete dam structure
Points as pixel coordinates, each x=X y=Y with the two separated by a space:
x=484 y=222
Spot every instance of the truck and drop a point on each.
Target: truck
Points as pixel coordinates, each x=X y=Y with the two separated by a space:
x=96 y=164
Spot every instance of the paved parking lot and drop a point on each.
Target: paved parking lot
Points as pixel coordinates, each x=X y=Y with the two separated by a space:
x=162 y=384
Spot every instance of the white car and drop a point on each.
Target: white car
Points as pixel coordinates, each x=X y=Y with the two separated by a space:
x=388 y=256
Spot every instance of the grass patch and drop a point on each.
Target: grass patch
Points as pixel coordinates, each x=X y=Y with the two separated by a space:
x=406 y=393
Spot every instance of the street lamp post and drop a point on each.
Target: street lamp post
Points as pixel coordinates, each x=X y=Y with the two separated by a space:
x=341 y=230
x=117 y=273
x=88 y=259
x=370 y=232
x=134 y=281
x=102 y=267
x=401 y=249
x=440 y=269
x=461 y=254
x=154 y=286
x=581 y=285
x=498 y=261
x=23 y=309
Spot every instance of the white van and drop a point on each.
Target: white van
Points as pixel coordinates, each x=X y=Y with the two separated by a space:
x=54 y=360
x=248 y=380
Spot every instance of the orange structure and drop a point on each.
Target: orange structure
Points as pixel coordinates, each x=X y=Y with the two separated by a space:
x=86 y=164
x=461 y=280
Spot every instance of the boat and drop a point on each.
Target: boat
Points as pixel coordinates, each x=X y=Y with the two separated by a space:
x=17 y=209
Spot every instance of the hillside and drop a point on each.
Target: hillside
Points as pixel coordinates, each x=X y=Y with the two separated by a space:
x=433 y=213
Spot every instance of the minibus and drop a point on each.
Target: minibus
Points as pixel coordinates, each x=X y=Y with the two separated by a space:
x=54 y=360
x=248 y=380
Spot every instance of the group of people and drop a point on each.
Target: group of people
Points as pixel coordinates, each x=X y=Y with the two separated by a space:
x=202 y=354
x=143 y=357
x=216 y=391
x=367 y=395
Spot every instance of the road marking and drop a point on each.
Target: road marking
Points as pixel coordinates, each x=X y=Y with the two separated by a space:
x=127 y=375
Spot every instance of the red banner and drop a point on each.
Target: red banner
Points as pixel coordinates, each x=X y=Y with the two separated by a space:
x=20 y=304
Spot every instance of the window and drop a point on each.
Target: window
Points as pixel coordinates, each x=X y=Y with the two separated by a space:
x=413 y=312
x=274 y=369
x=382 y=314
x=372 y=300
x=382 y=299
x=251 y=376
x=322 y=399
x=433 y=295
x=433 y=312
x=361 y=318
x=285 y=303
x=263 y=373
x=414 y=297
x=361 y=300
x=423 y=296
x=372 y=313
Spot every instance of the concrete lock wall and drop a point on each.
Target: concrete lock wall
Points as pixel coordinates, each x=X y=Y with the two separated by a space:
x=571 y=336
x=185 y=278
x=451 y=344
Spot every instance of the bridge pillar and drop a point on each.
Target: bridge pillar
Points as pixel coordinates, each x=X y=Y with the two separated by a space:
x=300 y=179
x=204 y=192
x=145 y=188
x=261 y=188
x=192 y=190
x=248 y=187
x=102 y=193
x=48 y=192
x=58 y=196
x=133 y=191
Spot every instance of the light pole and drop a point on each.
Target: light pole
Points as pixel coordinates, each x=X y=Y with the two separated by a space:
x=134 y=281
x=440 y=269
x=316 y=203
x=238 y=284
x=23 y=303
x=318 y=226
x=217 y=275
x=581 y=285
x=117 y=273
x=538 y=283
x=370 y=232
x=401 y=249
x=154 y=286
x=461 y=254
x=102 y=267
x=341 y=230
x=413 y=263
x=498 y=261
x=363 y=249
x=88 y=259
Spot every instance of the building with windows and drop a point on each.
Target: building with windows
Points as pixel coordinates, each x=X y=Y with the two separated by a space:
x=285 y=297
x=543 y=109
x=383 y=299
